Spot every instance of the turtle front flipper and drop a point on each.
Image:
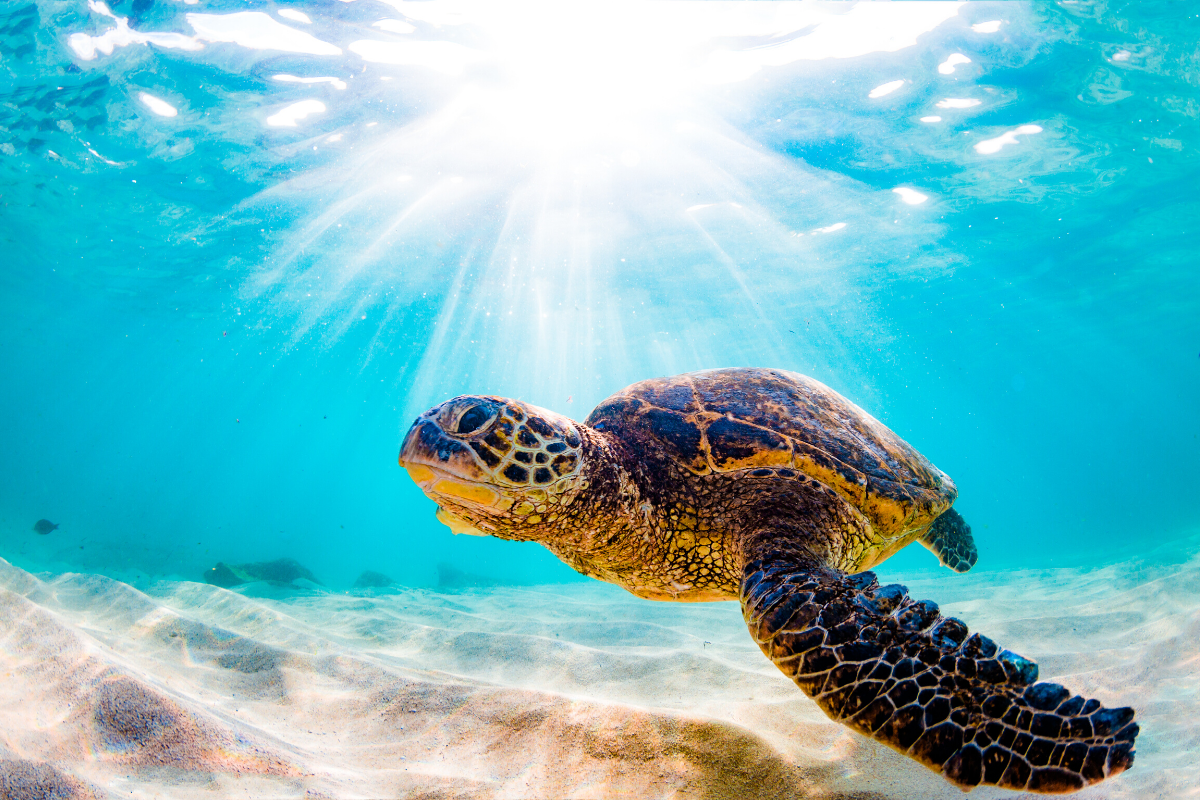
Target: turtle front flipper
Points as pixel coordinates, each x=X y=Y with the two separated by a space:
x=896 y=670
x=949 y=538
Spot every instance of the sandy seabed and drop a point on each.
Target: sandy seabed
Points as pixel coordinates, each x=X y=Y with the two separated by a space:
x=187 y=690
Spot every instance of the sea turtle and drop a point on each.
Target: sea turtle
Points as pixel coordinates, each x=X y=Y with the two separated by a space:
x=768 y=487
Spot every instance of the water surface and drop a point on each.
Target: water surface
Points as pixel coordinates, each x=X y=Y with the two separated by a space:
x=243 y=245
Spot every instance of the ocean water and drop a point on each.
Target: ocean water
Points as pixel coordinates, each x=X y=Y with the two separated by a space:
x=244 y=244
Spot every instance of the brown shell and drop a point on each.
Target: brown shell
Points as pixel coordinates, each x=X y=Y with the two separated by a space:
x=738 y=419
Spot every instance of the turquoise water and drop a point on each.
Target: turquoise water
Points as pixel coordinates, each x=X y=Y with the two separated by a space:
x=218 y=326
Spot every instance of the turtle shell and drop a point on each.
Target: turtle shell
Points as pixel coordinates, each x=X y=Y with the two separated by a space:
x=730 y=420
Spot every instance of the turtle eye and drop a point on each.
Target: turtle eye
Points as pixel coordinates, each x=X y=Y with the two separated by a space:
x=472 y=420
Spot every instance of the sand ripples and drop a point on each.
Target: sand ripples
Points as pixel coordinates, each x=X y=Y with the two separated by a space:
x=568 y=691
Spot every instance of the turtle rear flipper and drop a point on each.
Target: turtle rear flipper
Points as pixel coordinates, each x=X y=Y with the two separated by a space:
x=949 y=538
x=896 y=670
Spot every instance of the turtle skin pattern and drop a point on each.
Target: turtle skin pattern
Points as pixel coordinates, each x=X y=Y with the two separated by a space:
x=896 y=670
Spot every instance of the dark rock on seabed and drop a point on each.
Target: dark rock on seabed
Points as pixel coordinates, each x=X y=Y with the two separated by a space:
x=281 y=570
x=373 y=580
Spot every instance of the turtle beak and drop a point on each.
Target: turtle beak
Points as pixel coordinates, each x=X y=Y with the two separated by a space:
x=445 y=468
x=428 y=446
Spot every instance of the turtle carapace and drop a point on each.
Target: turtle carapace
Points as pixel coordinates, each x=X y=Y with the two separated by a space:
x=770 y=488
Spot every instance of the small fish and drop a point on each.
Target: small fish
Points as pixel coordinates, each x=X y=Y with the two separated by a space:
x=44 y=526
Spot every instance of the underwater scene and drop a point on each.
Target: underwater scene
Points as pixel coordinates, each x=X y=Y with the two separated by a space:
x=460 y=399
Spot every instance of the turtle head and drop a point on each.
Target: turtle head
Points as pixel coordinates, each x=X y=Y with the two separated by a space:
x=495 y=467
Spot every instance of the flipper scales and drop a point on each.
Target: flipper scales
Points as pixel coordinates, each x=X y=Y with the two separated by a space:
x=895 y=669
x=949 y=538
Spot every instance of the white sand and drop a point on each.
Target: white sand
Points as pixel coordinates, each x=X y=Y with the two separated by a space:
x=575 y=691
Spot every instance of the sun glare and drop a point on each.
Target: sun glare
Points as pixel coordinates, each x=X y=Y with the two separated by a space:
x=564 y=129
x=570 y=74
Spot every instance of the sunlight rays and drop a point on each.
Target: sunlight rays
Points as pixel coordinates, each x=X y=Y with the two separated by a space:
x=539 y=276
x=537 y=256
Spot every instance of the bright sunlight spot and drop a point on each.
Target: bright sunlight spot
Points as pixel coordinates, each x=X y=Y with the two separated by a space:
x=337 y=83
x=958 y=102
x=288 y=116
x=887 y=88
x=988 y=146
x=294 y=15
x=160 y=107
x=947 y=66
x=910 y=196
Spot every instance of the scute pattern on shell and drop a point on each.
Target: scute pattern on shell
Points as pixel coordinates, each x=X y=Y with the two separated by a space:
x=740 y=419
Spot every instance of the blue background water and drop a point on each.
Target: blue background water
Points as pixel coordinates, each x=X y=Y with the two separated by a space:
x=216 y=332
